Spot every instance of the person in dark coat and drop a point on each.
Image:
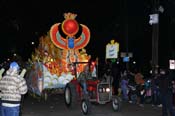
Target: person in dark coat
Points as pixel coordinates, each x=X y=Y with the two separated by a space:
x=155 y=90
x=116 y=77
x=166 y=93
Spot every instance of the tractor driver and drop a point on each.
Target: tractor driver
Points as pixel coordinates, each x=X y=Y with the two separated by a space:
x=83 y=77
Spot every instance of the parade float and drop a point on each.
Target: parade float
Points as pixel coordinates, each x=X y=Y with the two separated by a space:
x=51 y=63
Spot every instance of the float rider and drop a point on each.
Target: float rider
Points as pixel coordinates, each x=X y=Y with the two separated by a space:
x=83 y=77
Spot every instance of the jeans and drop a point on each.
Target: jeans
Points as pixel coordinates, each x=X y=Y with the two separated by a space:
x=0 y=106
x=10 y=111
x=85 y=88
x=156 y=98
x=134 y=98
x=124 y=93
x=141 y=99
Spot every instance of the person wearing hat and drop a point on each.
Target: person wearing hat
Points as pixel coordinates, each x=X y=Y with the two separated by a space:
x=12 y=87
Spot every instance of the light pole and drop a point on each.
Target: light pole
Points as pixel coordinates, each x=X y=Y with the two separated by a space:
x=126 y=31
x=154 y=21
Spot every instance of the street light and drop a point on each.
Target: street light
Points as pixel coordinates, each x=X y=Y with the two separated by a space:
x=33 y=43
x=8 y=59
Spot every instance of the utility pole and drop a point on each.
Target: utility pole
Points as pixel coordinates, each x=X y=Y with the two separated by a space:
x=126 y=31
x=154 y=21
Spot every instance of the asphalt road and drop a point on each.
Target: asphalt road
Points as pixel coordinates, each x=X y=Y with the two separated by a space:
x=54 y=106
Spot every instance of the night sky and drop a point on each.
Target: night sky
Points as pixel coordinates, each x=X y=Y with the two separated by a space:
x=126 y=21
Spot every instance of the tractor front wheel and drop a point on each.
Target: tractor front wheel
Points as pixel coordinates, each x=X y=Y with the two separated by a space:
x=86 y=106
x=116 y=103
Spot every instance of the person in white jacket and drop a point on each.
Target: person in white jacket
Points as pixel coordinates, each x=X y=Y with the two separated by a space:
x=12 y=87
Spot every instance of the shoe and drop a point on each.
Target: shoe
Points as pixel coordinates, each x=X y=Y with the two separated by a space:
x=160 y=105
x=141 y=105
x=130 y=101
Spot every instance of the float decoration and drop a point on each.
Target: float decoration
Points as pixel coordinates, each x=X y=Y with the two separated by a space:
x=51 y=61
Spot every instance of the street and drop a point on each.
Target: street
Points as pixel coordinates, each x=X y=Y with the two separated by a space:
x=54 y=106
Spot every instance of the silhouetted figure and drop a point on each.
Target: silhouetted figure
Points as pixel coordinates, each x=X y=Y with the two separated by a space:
x=165 y=84
x=116 y=77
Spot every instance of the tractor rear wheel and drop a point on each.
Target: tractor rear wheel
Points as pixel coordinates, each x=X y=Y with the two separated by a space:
x=70 y=95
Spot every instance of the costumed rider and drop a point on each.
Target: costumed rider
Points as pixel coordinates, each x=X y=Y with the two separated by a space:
x=83 y=77
x=12 y=86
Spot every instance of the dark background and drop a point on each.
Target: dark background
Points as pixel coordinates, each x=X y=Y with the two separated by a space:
x=126 y=21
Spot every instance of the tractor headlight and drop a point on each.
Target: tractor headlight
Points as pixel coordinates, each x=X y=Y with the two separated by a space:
x=107 y=89
x=104 y=89
x=100 y=89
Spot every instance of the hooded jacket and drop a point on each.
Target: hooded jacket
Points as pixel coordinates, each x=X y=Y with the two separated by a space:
x=12 y=86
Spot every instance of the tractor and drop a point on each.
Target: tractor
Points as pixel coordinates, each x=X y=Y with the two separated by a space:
x=98 y=92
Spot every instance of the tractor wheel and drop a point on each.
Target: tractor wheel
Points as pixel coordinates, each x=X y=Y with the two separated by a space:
x=70 y=95
x=116 y=103
x=86 y=106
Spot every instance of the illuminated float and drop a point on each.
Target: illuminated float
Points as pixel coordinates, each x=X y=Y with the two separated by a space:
x=51 y=62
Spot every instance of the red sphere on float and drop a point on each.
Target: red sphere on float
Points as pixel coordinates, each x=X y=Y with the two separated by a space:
x=70 y=27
